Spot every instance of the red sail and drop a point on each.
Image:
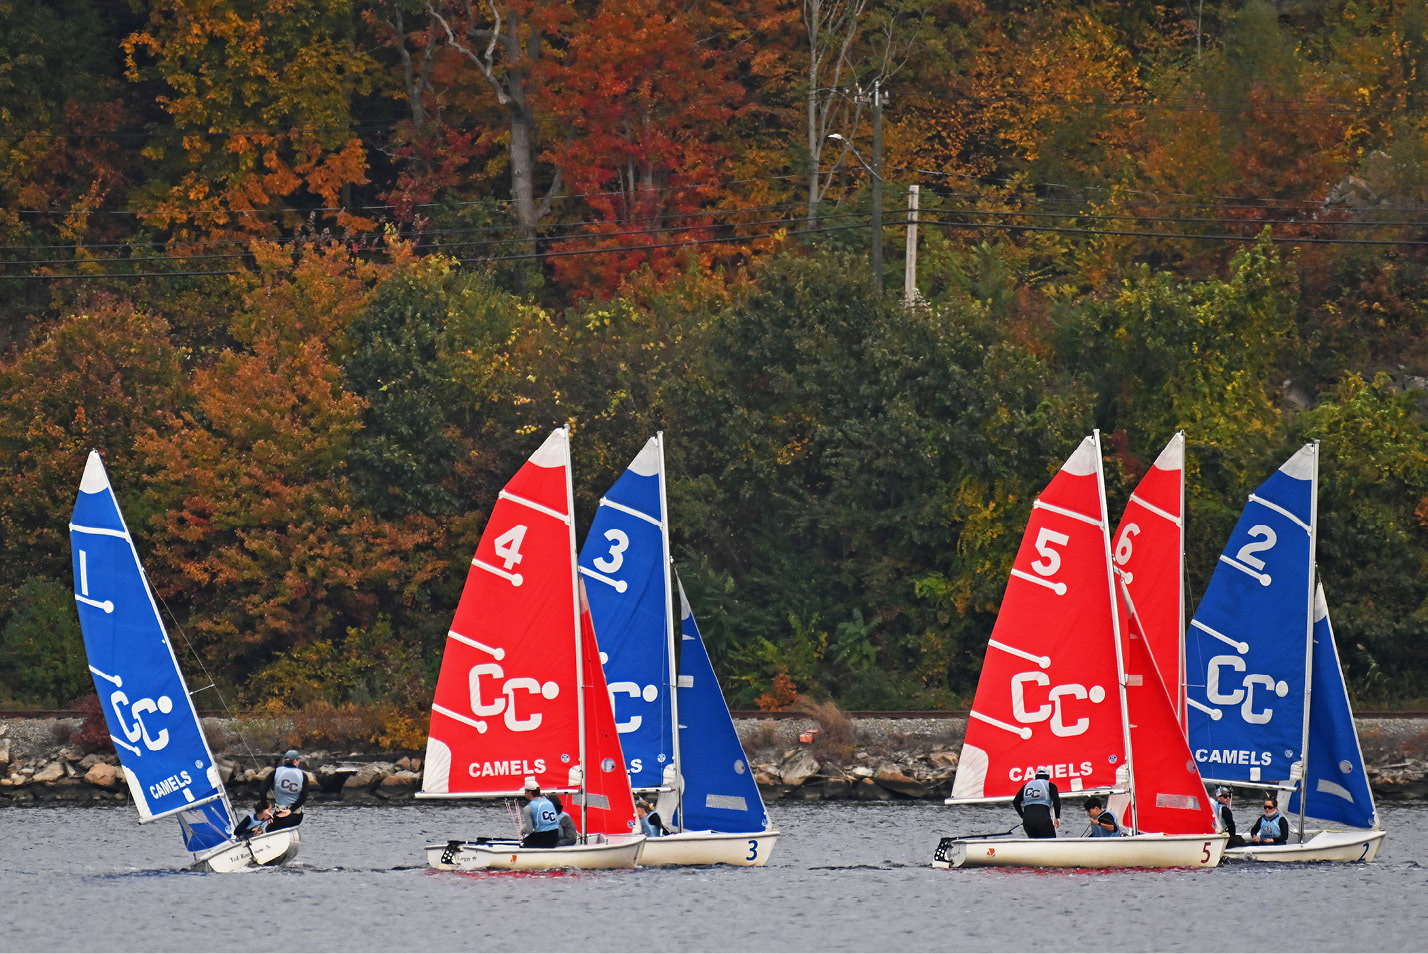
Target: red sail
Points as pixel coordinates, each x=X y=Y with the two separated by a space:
x=1169 y=793
x=507 y=698
x=609 y=805
x=1048 y=695
x=1148 y=548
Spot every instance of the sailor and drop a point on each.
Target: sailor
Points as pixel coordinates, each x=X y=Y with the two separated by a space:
x=568 y=834
x=1226 y=816
x=650 y=822
x=540 y=822
x=289 y=791
x=257 y=822
x=1039 y=805
x=1271 y=828
x=1103 y=823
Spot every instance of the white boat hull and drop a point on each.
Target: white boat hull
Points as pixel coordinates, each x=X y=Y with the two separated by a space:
x=620 y=852
x=274 y=848
x=1135 y=851
x=1348 y=846
x=749 y=849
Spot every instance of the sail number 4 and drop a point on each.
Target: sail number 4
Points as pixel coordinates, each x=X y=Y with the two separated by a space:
x=508 y=545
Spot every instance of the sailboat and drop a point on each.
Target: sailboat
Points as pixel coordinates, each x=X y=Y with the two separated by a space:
x=1267 y=704
x=151 y=718
x=521 y=692
x=710 y=801
x=1063 y=688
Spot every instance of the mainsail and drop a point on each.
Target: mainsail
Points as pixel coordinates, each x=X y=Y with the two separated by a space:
x=720 y=793
x=1049 y=695
x=626 y=570
x=1148 y=549
x=1246 y=648
x=507 y=698
x=1336 y=783
x=146 y=704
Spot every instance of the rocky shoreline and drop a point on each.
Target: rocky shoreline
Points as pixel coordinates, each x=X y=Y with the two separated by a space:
x=810 y=759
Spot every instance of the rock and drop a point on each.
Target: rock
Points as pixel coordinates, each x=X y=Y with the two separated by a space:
x=402 y=778
x=416 y=765
x=866 y=790
x=861 y=771
x=5 y=756
x=104 y=776
x=798 y=767
x=943 y=759
x=404 y=763
x=892 y=778
x=71 y=753
x=368 y=775
x=52 y=772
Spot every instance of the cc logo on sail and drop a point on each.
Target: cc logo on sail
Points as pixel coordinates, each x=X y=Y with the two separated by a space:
x=129 y=717
x=1052 y=709
x=1242 y=696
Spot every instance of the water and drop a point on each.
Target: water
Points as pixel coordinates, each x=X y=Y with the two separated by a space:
x=843 y=877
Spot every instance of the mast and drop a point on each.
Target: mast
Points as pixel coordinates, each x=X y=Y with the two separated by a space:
x=1115 y=624
x=668 y=568
x=575 y=604
x=1309 y=637
x=1180 y=713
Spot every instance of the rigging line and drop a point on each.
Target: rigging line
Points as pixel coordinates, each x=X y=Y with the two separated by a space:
x=212 y=683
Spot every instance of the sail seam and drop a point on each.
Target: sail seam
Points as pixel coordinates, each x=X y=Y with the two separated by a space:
x=639 y=514
x=540 y=508
x=1073 y=514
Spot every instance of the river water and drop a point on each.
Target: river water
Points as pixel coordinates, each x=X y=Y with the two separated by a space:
x=843 y=877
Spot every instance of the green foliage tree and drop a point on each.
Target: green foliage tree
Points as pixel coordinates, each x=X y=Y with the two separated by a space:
x=41 y=649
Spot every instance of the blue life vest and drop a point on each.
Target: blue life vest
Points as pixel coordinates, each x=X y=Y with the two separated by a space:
x=287 y=784
x=1097 y=831
x=1269 y=828
x=1036 y=792
x=543 y=814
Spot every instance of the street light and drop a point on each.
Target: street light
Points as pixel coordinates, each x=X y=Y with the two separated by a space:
x=856 y=155
x=877 y=172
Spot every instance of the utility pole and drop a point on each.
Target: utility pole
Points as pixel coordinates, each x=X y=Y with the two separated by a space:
x=909 y=275
x=877 y=186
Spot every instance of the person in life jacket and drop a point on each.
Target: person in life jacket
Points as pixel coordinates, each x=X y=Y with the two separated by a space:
x=257 y=822
x=1103 y=822
x=1227 y=817
x=568 y=834
x=1271 y=828
x=650 y=822
x=1039 y=805
x=540 y=822
x=289 y=788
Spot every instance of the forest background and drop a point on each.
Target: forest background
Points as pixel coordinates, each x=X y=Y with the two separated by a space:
x=317 y=277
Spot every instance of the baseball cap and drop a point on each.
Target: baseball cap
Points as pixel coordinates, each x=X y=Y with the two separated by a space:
x=531 y=784
x=292 y=754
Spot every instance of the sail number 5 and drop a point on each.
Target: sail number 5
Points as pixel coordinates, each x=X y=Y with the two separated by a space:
x=1050 y=560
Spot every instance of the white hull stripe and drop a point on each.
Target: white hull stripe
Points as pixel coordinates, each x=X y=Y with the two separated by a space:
x=101 y=531
x=1073 y=514
x=539 y=508
x=1042 y=661
x=640 y=514
x=1020 y=731
x=619 y=585
x=477 y=724
x=1280 y=510
x=1058 y=588
x=1239 y=647
x=1156 y=510
x=497 y=653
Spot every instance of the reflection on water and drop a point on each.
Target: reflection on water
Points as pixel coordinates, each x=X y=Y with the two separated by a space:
x=843 y=877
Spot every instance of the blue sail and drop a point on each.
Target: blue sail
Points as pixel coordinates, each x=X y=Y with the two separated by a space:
x=1337 y=786
x=720 y=793
x=624 y=565
x=151 y=719
x=1245 y=649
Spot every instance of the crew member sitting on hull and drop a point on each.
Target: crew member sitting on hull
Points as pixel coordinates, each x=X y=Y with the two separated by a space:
x=568 y=834
x=650 y=822
x=1039 y=805
x=1103 y=823
x=257 y=822
x=1227 y=817
x=1271 y=828
x=540 y=822
x=289 y=789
